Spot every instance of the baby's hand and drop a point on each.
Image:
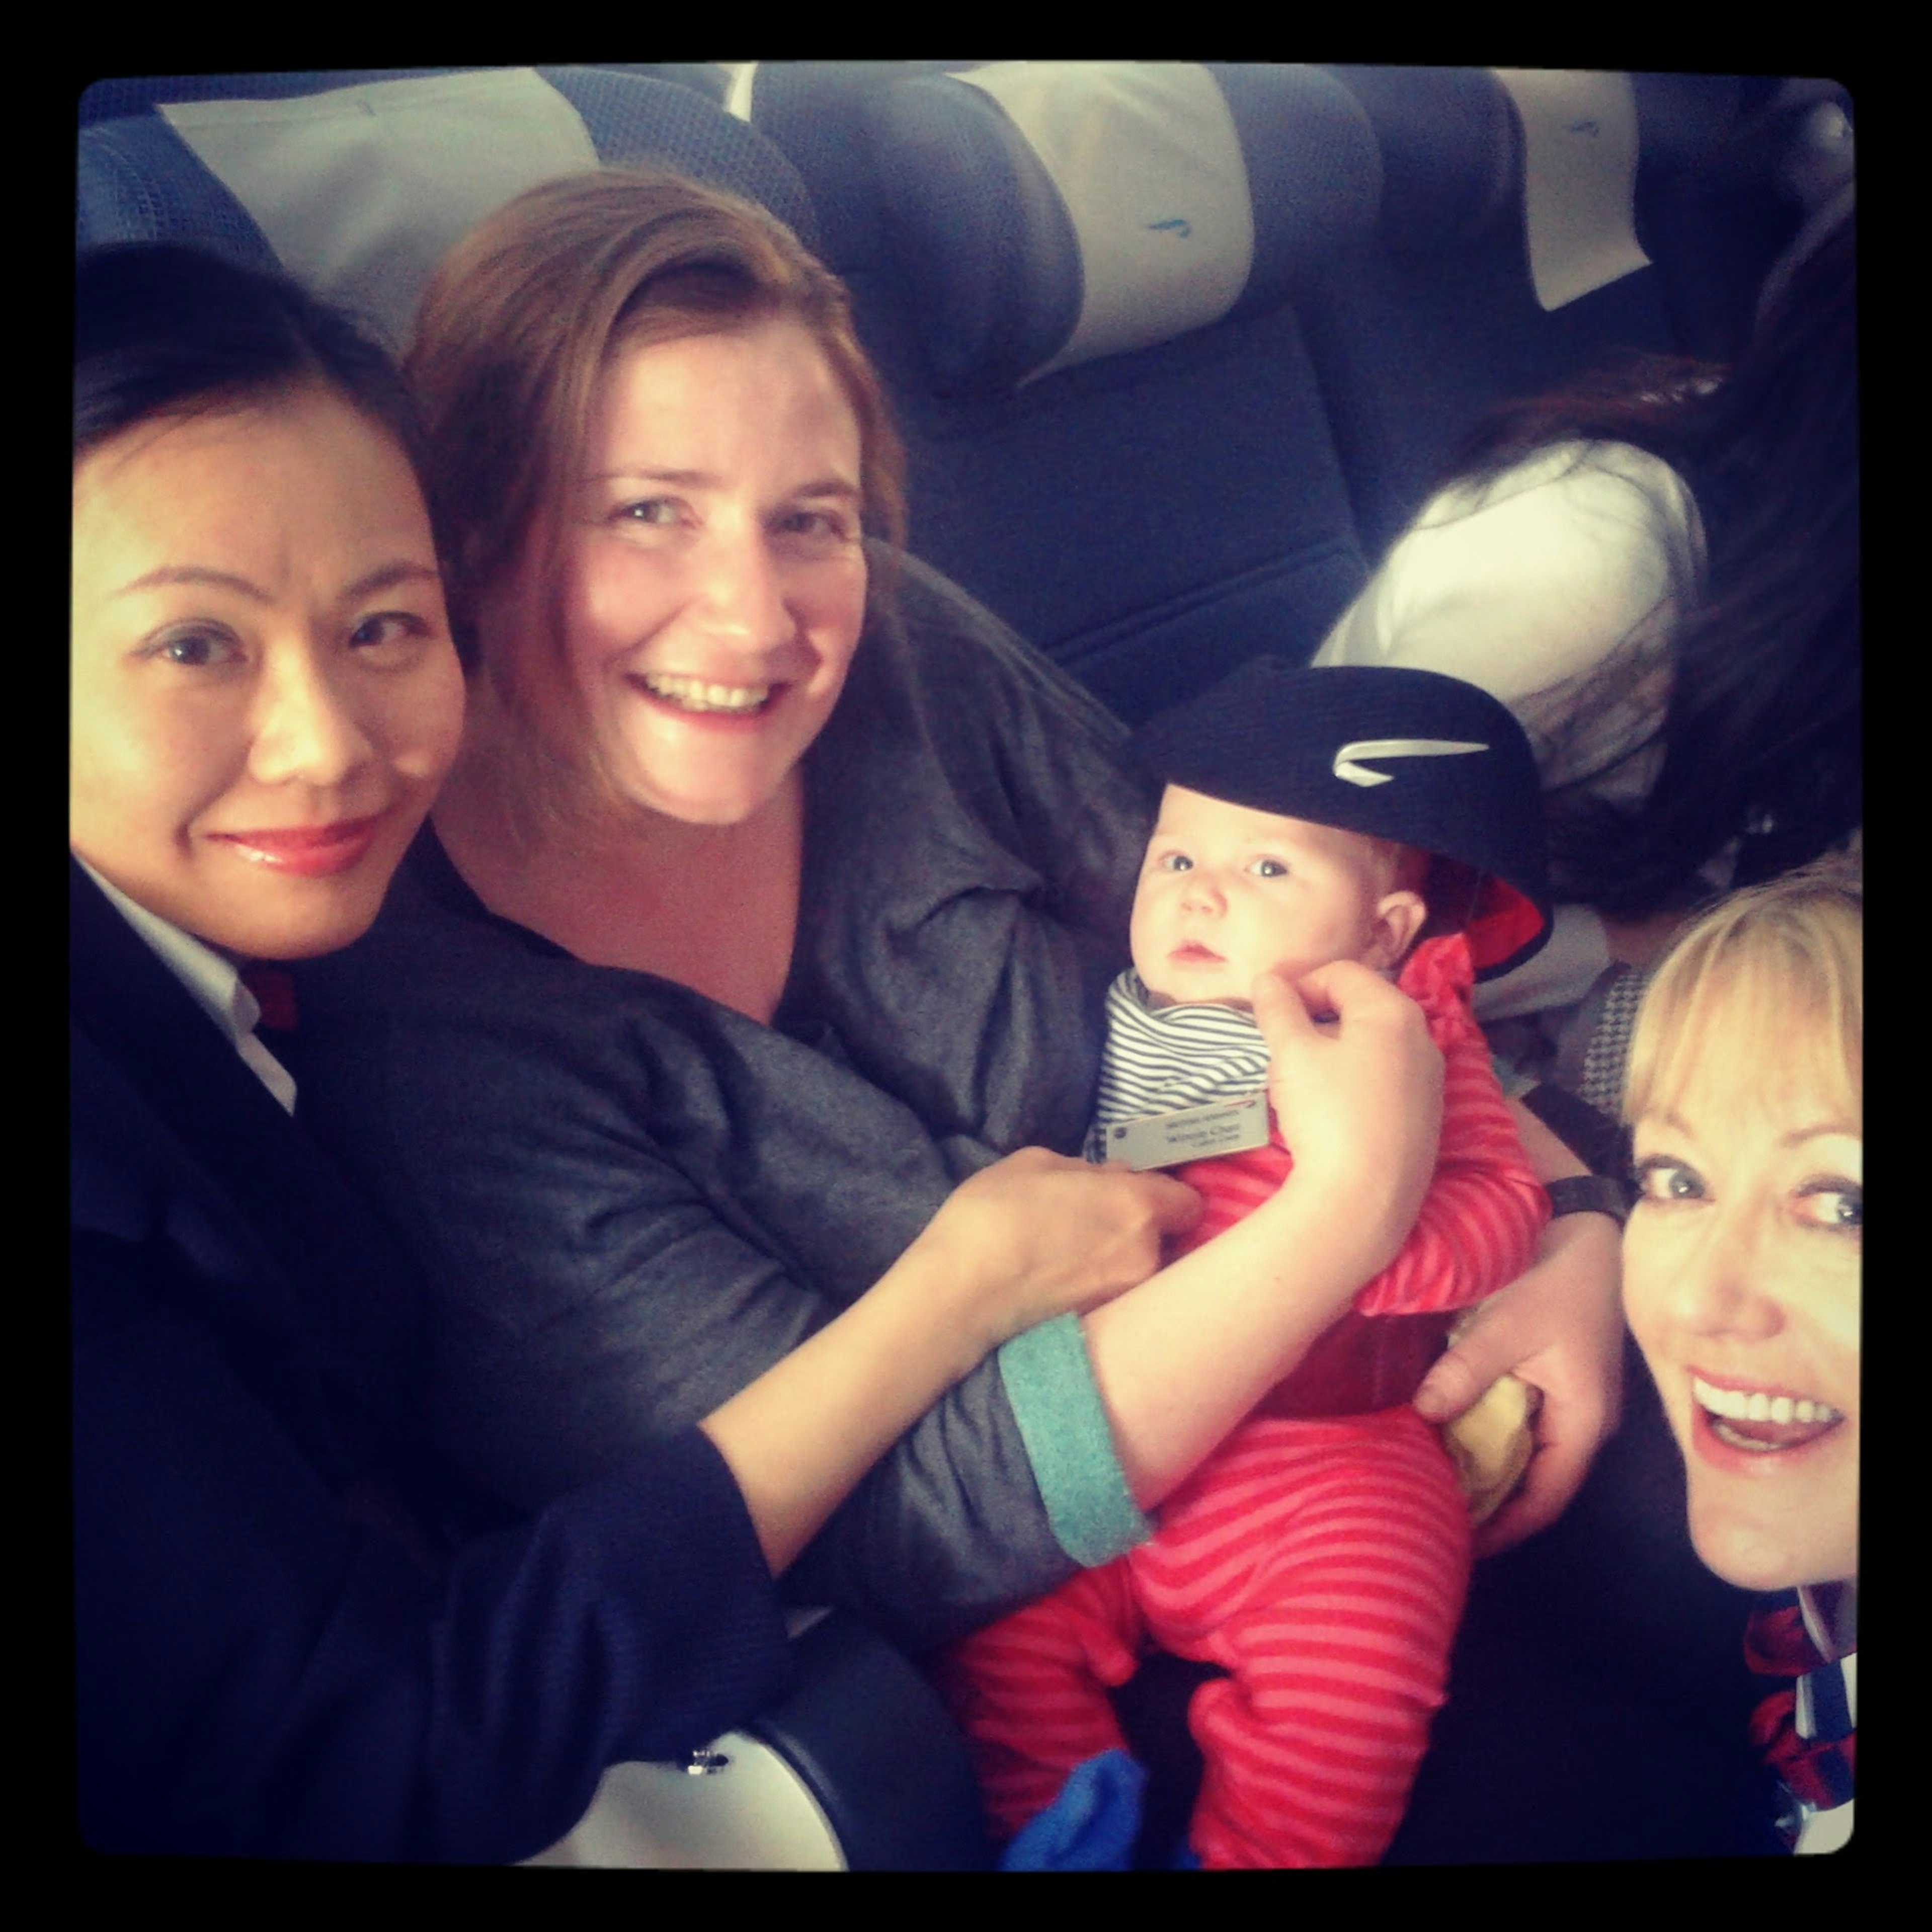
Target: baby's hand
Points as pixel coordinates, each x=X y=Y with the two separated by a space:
x=1358 y=1094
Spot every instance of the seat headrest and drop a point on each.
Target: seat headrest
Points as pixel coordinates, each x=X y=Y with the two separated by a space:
x=1465 y=150
x=361 y=190
x=1451 y=154
x=1579 y=143
x=1047 y=213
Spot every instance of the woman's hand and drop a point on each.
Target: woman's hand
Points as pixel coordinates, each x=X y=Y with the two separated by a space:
x=1356 y=1087
x=1560 y=1327
x=1032 y=1236
x=1036 y=1235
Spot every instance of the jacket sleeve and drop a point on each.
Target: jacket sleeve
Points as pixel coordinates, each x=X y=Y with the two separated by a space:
x=258 y=1676
x=626 y=1217
x=1478 y=1226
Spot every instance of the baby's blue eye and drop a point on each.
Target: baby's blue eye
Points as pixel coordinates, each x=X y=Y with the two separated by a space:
x=1175 y=862
x=1269 y=869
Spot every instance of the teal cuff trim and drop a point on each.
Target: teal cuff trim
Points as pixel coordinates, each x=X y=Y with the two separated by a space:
x=1050 y=1384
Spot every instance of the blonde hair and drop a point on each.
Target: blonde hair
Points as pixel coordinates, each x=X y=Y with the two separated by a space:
x=1772 y=974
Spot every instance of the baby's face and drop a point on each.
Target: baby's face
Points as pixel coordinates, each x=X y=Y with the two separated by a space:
x=1226 y=894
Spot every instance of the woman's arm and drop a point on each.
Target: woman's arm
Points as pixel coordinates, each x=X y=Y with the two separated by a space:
x=1034 y=1237
x=1181 y=1359
x=634 y=1206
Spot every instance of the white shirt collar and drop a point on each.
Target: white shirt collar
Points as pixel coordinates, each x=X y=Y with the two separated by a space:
x=1831 y=1614
x=214 y=982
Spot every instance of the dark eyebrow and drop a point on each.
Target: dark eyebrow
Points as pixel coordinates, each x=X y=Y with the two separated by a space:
x=388 y=576
x=385 y=577
x=189 y=573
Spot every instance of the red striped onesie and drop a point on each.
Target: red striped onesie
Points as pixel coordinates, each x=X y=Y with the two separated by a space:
x=1320 y=1555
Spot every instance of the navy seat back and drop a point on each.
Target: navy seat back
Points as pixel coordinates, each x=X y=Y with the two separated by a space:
x=1155 y=513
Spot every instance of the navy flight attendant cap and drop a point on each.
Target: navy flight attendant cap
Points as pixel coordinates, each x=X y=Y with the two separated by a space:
x=1427 y=760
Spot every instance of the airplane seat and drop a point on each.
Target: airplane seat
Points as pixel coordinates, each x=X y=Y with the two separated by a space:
x=1535 y=226
x=356 y=187
x=1050 y=260
x=811 y=111
x=119 y=96
x=1502 y=263
x=712 y=79
x=116 y=98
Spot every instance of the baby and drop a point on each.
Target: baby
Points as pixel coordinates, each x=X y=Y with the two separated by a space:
x=1321 y=1554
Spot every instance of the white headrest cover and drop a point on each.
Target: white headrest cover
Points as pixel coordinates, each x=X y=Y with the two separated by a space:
x=1579 y=178
x=1145 y=157
x=362 y=190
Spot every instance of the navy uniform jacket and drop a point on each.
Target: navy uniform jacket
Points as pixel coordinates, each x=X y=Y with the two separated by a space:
x=283 y=1646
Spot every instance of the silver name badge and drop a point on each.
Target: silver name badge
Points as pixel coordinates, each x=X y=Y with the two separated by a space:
x=1189 y=1133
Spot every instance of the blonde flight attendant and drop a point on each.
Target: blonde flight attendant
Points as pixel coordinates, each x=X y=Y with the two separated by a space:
x=1741 y=1283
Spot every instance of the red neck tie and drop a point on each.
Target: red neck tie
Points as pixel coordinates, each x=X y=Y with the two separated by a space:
x=1806 y=1732
x=274 y=988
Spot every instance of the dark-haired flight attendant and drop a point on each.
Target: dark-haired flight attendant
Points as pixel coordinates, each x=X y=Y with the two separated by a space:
x=296 y=1634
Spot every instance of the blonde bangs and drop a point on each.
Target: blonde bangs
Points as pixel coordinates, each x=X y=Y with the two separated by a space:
x=1769 y=986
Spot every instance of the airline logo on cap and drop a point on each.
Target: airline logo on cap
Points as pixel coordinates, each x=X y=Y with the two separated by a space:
x=1346 y=768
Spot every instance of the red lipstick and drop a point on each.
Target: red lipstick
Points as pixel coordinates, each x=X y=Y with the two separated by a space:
x=307 y=851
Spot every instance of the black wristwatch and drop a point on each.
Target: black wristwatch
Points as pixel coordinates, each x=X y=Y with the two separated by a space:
x=1587 y=1194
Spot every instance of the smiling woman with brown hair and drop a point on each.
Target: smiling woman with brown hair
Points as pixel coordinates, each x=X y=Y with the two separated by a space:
x=760 y=909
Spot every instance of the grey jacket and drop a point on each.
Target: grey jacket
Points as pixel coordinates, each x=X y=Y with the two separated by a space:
x=631 y=1201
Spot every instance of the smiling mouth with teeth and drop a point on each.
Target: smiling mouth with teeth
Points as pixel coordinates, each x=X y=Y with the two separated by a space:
x=1751 y=1419
x=696 y=693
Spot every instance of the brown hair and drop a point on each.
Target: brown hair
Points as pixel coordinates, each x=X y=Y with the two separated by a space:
x=525 y=313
